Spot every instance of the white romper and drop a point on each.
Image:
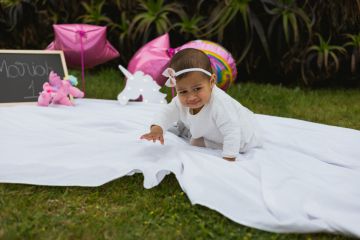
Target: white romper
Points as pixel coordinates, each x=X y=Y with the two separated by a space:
x=223 y=123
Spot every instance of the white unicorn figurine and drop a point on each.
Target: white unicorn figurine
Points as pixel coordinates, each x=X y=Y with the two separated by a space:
x=139 y=84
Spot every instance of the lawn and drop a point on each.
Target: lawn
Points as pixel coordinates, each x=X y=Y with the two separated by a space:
x=123 y=209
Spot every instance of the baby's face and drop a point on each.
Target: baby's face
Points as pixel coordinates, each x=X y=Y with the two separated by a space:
x=194 y=90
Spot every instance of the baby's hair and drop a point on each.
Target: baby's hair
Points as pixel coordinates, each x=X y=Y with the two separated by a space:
x=190 y=58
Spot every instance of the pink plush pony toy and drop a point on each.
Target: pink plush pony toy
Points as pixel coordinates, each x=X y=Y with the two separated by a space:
x=59 y=91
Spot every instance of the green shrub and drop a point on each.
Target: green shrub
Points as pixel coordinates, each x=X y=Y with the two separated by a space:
x=271 y=40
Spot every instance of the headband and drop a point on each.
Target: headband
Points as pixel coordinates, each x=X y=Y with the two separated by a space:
x=171 y=74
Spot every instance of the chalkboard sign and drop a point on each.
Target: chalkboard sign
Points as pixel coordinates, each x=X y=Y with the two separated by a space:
x=23 y=72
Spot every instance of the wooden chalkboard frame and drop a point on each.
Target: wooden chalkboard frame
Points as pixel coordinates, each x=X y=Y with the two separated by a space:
x=35 y=52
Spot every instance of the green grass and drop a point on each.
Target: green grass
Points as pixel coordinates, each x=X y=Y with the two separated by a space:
x=123 y=209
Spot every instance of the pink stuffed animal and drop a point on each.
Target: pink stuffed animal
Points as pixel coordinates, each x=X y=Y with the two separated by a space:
x=59 y=91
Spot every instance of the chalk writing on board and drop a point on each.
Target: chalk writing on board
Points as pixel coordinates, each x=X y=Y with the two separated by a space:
x=32 y=87
x=21 y=69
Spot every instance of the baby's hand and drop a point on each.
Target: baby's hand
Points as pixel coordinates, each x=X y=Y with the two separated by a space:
x=156 y=133
x=230 y=159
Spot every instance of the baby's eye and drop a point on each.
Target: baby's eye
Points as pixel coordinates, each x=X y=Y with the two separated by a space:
x=197 y=89
x=182 y=92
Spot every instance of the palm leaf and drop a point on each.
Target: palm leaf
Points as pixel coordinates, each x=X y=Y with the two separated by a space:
x=260 y=31
x=336 y=60
x=326 y=58
x=246 y=50
x=272 y=24
x=353 y=62
x=285 y=26
x=294 y=25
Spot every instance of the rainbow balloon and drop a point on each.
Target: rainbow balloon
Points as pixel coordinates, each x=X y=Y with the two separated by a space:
x=221 y=60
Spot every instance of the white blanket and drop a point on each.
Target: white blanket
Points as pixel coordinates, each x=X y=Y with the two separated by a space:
x=305 y=179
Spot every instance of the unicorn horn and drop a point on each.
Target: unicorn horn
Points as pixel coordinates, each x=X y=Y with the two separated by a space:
x=127 y=74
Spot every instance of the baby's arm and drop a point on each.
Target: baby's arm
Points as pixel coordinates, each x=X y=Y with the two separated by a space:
x=230 y=129
x=232 y=138
x=167 y=116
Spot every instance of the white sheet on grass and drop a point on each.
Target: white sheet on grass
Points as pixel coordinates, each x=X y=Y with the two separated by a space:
x=305 y=179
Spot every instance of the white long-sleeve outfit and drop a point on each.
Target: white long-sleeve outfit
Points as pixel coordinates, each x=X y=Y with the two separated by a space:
x=223 y=123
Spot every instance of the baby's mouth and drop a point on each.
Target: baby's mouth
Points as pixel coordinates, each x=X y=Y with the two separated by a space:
x=195 y=103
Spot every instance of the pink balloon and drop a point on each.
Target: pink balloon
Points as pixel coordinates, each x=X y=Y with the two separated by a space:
x=83 y=40
x=152 y=58
x=221 y=60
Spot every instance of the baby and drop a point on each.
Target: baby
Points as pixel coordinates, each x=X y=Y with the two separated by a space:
x=215 y=119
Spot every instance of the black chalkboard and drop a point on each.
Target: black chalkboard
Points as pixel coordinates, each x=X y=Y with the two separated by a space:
x=23 y=72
